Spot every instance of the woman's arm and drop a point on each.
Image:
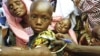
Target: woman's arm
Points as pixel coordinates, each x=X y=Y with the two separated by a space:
x=15 y=51
x=84 y=49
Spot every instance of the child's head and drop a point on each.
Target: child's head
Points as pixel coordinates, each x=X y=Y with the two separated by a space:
x=96 y=32
x=40 y=15
x=16 y=7
x=63 y=26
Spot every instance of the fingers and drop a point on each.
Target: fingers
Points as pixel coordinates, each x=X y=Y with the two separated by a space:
x=59 y=36
x=58 y=42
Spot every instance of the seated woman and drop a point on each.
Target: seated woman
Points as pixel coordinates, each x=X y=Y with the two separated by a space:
x=17 y=14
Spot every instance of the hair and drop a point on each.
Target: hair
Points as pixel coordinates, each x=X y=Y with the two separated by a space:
x=36 y=3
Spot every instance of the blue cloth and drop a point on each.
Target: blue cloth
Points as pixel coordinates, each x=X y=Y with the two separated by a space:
x=67 y=40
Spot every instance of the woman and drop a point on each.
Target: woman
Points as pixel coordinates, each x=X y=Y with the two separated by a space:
x=17 y=14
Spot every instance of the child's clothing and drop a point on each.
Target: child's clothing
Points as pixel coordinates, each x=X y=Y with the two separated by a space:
x=45 y=37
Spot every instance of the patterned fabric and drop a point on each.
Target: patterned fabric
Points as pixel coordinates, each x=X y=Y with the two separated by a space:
x=92 y=8
x=45 y=37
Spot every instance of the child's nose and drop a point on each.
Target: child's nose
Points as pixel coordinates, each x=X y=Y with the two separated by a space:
x=39 y=21
x=62 y=26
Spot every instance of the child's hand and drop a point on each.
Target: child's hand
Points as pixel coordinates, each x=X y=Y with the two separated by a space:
x=59 y=36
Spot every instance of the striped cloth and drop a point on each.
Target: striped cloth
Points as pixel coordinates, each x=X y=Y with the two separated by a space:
x=92 y=8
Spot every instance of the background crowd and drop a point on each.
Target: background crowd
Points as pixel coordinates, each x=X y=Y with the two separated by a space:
x=71 y=26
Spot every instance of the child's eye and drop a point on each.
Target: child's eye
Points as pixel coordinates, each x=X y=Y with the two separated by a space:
x=34 y=16
x=45 y=18
x=18 y=3
x=66 y=27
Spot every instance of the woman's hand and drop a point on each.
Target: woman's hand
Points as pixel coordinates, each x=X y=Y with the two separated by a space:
x=61 y=36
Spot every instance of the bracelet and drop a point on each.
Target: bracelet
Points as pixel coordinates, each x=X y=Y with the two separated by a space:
x=67 y=41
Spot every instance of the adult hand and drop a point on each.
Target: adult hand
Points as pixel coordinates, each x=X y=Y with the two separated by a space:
x=61 y=36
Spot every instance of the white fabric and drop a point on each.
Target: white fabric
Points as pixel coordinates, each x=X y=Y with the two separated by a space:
x=64 y=8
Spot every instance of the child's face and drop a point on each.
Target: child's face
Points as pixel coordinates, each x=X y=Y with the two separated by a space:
x=62 y=26
x=40 y=18
x=17 y=8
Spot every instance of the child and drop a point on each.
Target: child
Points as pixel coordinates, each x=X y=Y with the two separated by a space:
x=62 y=33
x=17 y=15
x=63 y=27
x=40 y=18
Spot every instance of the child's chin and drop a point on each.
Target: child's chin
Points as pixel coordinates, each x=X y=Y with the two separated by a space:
x=38 y=31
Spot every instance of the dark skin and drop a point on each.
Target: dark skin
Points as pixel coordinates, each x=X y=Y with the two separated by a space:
x=17 y=51
x=86 y=50
x=63 y=26
x=61 y=29
x=45 y=13
x=40 y=16
x=18 y=9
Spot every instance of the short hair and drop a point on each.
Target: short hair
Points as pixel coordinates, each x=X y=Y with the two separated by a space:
x=37 y=3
